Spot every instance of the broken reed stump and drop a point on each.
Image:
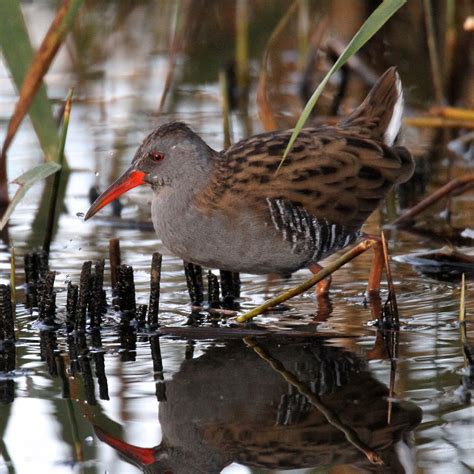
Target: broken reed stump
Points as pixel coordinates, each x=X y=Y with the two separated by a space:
x=48 y=349
x=7 y=345
x=85 y=293
x=213 y=298
x=77 y=346
x=155 y=279
x=36 y=266
x=194 y=283
x=71 y=306
x=141 y=315
x=46 y=296
x=230 y=289
x=98 y=303
x=230 y=286
x=115 y=260
x=7 y=322
x=126 y=293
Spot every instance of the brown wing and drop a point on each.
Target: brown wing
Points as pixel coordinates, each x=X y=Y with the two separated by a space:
x=333 y=173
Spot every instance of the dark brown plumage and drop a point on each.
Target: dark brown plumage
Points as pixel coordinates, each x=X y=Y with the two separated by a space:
x=231 y=209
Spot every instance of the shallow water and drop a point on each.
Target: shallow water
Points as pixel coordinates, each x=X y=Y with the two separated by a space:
x=225 y=405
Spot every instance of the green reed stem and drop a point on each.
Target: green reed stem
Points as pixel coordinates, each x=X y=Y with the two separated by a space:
x=57 y=177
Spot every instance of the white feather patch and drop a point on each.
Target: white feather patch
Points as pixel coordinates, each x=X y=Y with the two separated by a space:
x=395 y=123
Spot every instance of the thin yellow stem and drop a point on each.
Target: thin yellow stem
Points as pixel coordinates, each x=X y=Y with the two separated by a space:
x=455 y=113
x=332 y=267
x=437 y=122
x=462 y=306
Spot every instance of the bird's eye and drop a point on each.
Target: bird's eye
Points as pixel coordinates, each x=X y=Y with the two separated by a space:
x=156 y=156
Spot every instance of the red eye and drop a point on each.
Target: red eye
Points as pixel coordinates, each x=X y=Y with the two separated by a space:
x=156 y=156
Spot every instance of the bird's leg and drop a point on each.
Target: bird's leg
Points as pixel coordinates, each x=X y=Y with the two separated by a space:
x=322 y=294
x=322 y=288
x=361 y=247
x=375 y=276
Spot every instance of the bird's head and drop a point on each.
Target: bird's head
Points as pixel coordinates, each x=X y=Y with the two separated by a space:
x=172 y=155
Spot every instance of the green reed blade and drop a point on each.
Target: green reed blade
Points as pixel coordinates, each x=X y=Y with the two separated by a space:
x=373 y=24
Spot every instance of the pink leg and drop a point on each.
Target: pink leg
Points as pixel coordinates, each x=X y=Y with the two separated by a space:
x=322 y=288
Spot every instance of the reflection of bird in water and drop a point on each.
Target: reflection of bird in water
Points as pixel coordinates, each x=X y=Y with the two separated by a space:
x=229 y=406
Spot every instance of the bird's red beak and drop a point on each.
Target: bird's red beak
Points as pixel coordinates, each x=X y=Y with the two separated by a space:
x=130 y=179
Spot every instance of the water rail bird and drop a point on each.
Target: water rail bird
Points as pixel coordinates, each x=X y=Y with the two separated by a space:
x=232 y=210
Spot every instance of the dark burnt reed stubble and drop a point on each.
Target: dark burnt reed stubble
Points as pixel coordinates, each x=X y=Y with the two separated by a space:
x=98 y=302
x=213 y=293
x=126 y=294
x=7 y=322
x=7 y=345
x=142 y=310
x=155 y=279
x=71 y=305
x=85 y=293
x=77 y=347
x=48 y=350
x=46 y=296
x=194 y=283
x=115 y=260
x=36 y=266
x=230 y=289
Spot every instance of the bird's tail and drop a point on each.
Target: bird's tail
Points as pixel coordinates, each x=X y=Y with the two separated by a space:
x=381 y=111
